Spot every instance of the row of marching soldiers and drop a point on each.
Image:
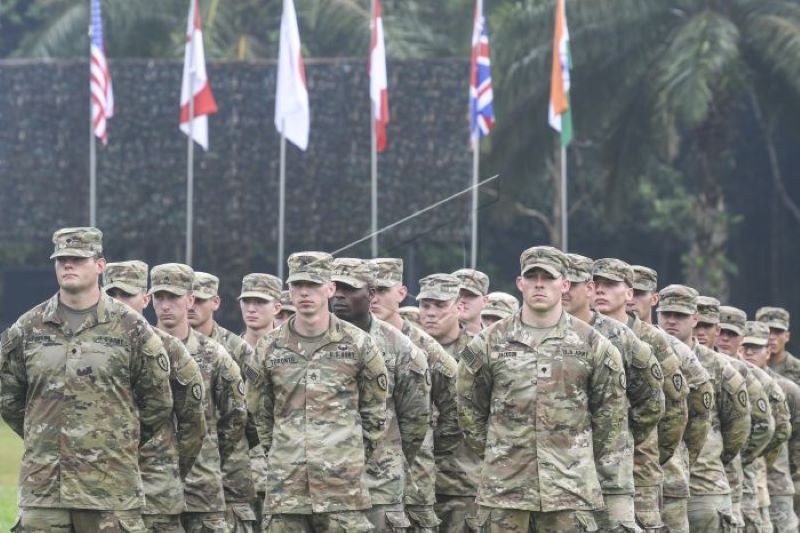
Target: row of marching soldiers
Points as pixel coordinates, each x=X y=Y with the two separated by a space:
x=337 y=409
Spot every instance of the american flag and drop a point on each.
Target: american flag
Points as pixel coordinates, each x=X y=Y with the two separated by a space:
x=102 y=95
x=480 y=88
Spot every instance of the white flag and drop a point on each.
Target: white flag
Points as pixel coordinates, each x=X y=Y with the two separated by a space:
x=194 y=75
x=292 y=114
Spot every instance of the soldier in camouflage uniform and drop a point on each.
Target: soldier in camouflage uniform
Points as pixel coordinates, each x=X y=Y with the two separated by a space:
x=498 y=306
x=223 y=401
x=168 y=457
x=443 y=434
x=237 y=477
x=472 y=298
x=542 y=399
x=457 y=473
x=762 y=425
x=784 y=363
x=411 y=313
x=319 y=401
x=408 y=395
x=644 y=379
x=287 y=309
x=260 y=302
x=84 y=381
x=710 y=504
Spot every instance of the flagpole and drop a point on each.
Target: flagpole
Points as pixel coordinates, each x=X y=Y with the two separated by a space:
x=564 y=213
x=282 y=200
x=190 y=165
x=92 y=173
x=476 y=157
x=374 y=163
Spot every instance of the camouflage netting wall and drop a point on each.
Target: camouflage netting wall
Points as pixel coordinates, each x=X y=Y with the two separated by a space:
x=44 y=162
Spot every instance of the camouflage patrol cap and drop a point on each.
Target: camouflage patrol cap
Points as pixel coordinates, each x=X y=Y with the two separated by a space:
x=388 y=271
x=774 y=317
x=352 y=271
x=77 y=242
x=613 y=269
x=205 y=285
x=644 y=278
x=708 y=310
x=551 y=260
x=315 y=267
x=473 y=281
x=128 y=276
x=410 y=313
x=756 y=333
x=174 y=278
x=677 y=299
x=263 y=286
x=439 y=287
x=286 y=302
x=500 y=304
x=580 y=268
x=732 y=319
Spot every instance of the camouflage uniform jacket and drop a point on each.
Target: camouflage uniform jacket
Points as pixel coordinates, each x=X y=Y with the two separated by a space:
x=225 y=413
x=549 y=419
x=783 y=467
x=237 y=477
x=730 y=424
x=408 y=413
x=443 y=433
x=258 y=459
x=83 y=401
x=789 y=368
x=167 y=458
x=673 y=423
x=645 y=394
x=319 y=416
x=457 y=473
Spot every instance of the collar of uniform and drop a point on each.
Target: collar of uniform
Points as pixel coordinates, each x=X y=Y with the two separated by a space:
x=517 y=332
x=192 y=342
x=286 y=339
x=216 y=332
x=101 y=313
x=374 y=325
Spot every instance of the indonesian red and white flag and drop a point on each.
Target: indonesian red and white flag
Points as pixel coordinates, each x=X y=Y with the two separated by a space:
x=195 y=76
x=292 y=113
x=378 y=86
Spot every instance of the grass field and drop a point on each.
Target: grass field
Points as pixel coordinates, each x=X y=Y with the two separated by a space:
x=10 y=453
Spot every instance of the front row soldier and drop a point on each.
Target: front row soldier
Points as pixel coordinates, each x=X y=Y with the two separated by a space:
x=472 y=298
x=762 y=425
x=237 y=477
x=318 y=397
x=260 y=302
x=608 y=282
x=223 y=401
x=84 y=381
x=456 y=473
x=168 y=457
x=407 y=398
x=709 y=507
x=498 y=306
x=542 y=400
x=443 y=434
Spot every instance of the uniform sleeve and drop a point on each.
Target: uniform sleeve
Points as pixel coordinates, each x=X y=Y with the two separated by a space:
x=260 y=396
x=700 y=401
x=608 y=407
x=412 y=400
x=187 y=394
x=13 y=379
x=762 y=425
x=676 y=412
x=474 y=388
x=645 y=391
x=447 y=433
x=372 y=390
x=246 y=362
x=150 y=371
x=733 y=406
x=793 y=402
x=229 y=399
x=783 y=421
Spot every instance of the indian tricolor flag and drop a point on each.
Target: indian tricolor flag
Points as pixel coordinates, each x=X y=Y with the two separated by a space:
x=560 y=117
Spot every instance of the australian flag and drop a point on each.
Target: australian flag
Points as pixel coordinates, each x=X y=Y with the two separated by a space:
x=481 y=111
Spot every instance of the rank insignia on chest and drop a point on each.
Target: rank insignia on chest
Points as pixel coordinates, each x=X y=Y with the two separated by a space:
x=545 y=371
x=313 y=376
